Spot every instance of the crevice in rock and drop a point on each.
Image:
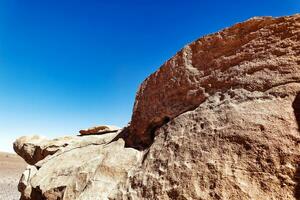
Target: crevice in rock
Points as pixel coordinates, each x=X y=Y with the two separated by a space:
x=144 y=143
x=154 y=126
x=102 y=133
x=145 y=156
x=36 y=194
x=66 y=151
x=296 y=107
x=297 y=179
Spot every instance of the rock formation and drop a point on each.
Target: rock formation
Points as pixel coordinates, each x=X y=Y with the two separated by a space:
x=35 y=148
x=255 y=55
x=89 y=167
x=219 y=120
x=99 y=130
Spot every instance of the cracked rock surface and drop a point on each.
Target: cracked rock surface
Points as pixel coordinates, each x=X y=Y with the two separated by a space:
x=219 y=120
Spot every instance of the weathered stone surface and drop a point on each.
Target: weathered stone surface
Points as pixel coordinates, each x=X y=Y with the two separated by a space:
x=99 y=130
x=24 y=184
x=35 y=148
x=90 y=168
x=236 y=145
x=255 y=55
x=220 y=120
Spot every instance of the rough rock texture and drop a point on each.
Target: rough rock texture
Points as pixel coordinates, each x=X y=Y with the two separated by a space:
x=219 y=120
x=236 y=145
x=99 y=130
x=90 y=168
x=255 y=55
x=35 y=148
x=24 y=184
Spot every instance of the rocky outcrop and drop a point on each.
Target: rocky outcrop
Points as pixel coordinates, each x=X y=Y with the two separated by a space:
x=89 y=168
x=24 y=184
x=219 y=120
x=99 y=130
x=255 y=55
x=235 y=145
x=35 y=148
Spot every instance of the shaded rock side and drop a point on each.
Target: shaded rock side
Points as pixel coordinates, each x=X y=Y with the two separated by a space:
x=24 y=184
x=255 y=55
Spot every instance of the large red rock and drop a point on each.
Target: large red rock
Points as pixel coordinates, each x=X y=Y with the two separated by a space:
x=222 y=118
x=255 y=55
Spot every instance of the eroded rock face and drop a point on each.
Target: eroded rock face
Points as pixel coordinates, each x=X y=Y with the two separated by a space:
x=235 y=145
x=90 y=168
x=255 y=55
x=35 y=148
x=220 y=120
x=24 y=185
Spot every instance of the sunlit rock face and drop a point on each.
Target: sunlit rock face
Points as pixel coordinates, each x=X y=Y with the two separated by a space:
x=88 y=168
x=255 y=55
x=219 y=120
x=35 y=148
x=237 y=144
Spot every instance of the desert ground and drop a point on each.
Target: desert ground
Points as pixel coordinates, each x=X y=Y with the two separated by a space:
x=11 y=168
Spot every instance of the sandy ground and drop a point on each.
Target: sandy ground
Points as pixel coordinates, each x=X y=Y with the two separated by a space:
x=11 y=168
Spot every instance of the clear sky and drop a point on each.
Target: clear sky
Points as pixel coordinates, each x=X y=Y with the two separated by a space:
x=68 y=65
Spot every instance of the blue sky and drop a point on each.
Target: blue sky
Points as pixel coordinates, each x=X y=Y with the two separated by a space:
x=68 y=65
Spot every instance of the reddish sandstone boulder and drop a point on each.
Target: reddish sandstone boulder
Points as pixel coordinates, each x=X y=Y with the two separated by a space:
x=255 y=55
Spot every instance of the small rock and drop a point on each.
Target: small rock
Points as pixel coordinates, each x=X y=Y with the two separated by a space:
x=99 y=130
